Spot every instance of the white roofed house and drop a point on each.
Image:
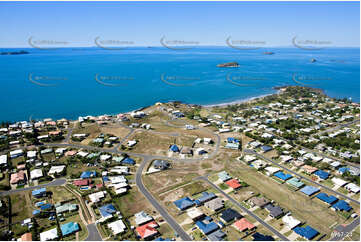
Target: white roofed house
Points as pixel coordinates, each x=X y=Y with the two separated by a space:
x=351 y=187
x=16 y=153
x=131 y=143
x=338 y=182
x=51 y=234
x=117 y=227
x=36 y=174
x=54 y=170
x=3 y=161
x=290 y=221
x=142 y=218
x=31 y=154
x=96 y=197
x=271 y=170
x=105 y=157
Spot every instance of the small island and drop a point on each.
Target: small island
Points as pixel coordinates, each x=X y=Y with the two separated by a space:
x=22 y=52
x=313 y=60
x=229 y=64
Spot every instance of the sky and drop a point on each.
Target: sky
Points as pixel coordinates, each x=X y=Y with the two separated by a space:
x=77 y=24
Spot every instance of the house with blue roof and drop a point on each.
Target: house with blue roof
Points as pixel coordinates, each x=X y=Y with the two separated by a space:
x=322 y=174
x=341 y=205
x=128 y=161
x=261 y=237
x=306 y=232
x=327 y=199
x=88 y=174
x=217 y=235
x=207 y=227
x=282 y=176
x=232 y=140
x=39 y=192
x=107 y=210
x=206 y=196
x=36 y=212
x=69 y=228
x=46 y=207
x=342 y=170
x=309 y=190
x=266 y=148
x=174 y=148
x=184 y=203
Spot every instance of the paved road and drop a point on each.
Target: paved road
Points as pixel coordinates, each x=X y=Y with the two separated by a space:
x=299 y=175
x=57 y=182
x=93 y=233
x=261 y=221
x=342 y=231
x=167 y=217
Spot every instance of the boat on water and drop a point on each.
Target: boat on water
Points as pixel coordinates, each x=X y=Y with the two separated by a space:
x=268 y=53
x=229 y=64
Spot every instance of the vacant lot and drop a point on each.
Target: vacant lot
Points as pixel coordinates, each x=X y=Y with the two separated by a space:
x=20 y=206
x=60 y=194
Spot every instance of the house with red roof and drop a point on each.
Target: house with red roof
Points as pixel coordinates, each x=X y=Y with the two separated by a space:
x=147 y=230
x=18 y=178
x=83 y=182
x=234 y=183
x=243 y=224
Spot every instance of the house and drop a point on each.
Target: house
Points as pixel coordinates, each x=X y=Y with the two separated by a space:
x=243 y=225
x=82 y=182
x=142 y=218
x=88 y=174
x=26 y=237
x=117 y=227
x=56 y=170
x=41 y=192
x=96 y=197
x=266 y=148
x=16 y=153
x=51 y=234
x=174 y=148
x=258 y=201
x=351 y=187
x=282 y=176
x=128 y=161
x=36 y=173
x=214 y=204
x=274 y=211
x=206 y=196
x=342 y=170
x=259 y=164
x=309 y=190
x=306 y=232
x=65 y=208
x=223 y=176
x=290 y=221
x=233 y=146
x=286 y=158
x=207 y=227
x=18 y=178
x=186 y=151
x=207 y=141
x=107 y=211
x=184 y=203
x=322 y=174
x=341 y=205
x=3 y=160
x=148 y=230
x=249 y=158
x=69 y=228
x=217 y=235
x=309 y=169
x=295 y=182
x=233 y=183
x=254 y=144
x=261 y=237
x=31 y=154
x=229 y=215
x=326 y=198
x=131 y=143
x=161 y=164
x=195 y=214
x=338 y=182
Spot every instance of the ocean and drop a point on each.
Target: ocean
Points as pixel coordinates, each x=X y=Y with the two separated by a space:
x=73 y=82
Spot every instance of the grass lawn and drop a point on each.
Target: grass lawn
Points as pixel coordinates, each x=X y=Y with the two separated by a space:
x=20 y=207
x=131 y=203
x=166 y=231
x=60 y=194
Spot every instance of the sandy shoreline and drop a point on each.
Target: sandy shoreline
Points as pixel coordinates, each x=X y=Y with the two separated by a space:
x=246 y=100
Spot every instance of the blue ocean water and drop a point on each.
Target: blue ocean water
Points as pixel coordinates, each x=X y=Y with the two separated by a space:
x=72 y=82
